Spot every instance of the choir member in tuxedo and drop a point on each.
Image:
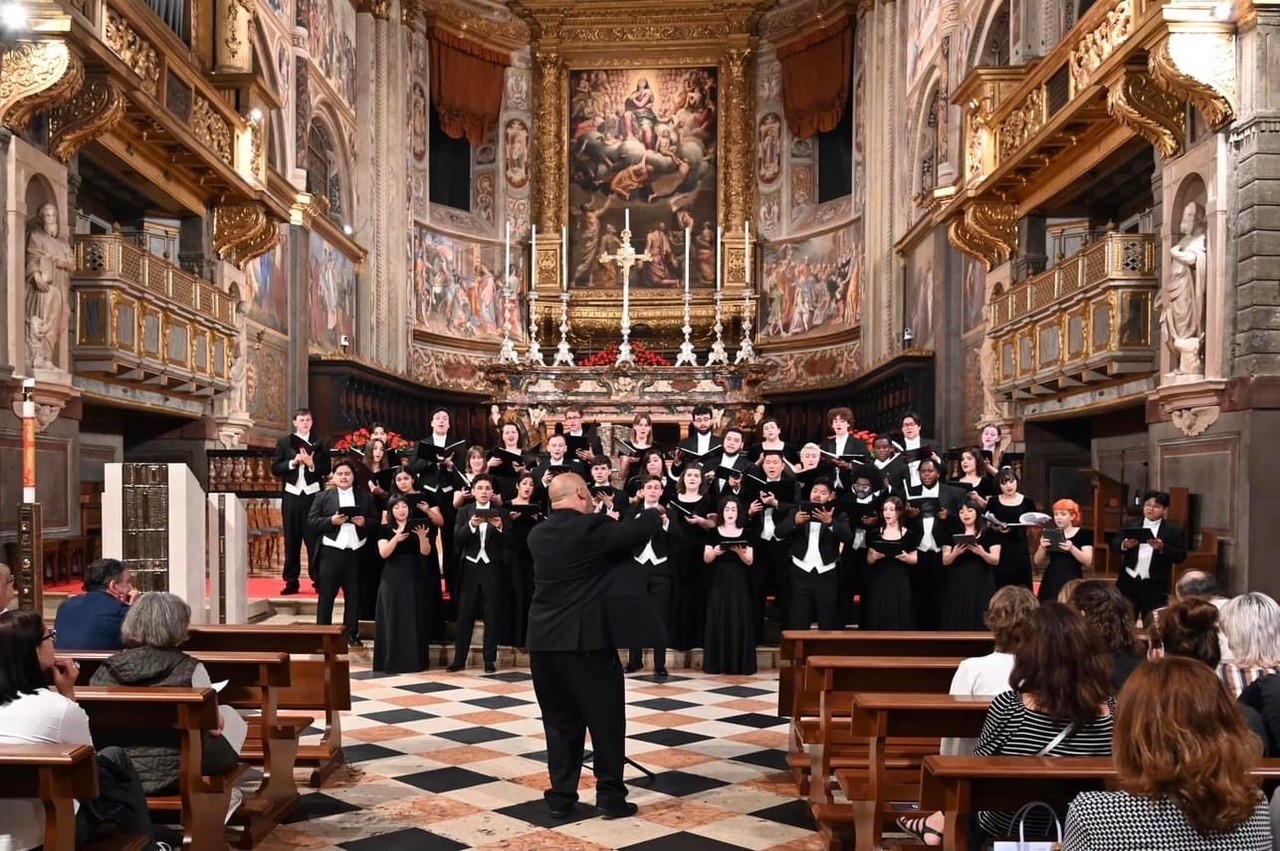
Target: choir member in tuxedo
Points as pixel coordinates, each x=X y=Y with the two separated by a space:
x=523 y=514
x=812 y=468
x=932 y=504
x=558 y=462
x=730 y=456
x=582 y=442
x=969 y=557
x=815 y=537
x=692 y=508
x=651 y=464
x=891 y=553
x=652 y=559
x=842 y=450
x=301 y=463
x=974 y=479
x=1065 y=550
x=478 y=533
x=578 y=559
x=608 y=499
x=506 y=461
x=343 y=518
x=631 y=451
x=771 y=567
x=730 y=645
x=916 y=448
x=1150 y=548
x=699 y=447
x=889 y=464
x=1003 y=513
x=863 y=509
x=734 y=483
x=433 y=461
x=771 y=441
x=406 y=615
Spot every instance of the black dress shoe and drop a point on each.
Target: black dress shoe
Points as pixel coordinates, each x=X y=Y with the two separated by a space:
x=455 y=667
x=660 y=674
x=290 y=588
x=490 y=668
x=624 y=810
x=354 y=642
x=632 y=667
x=559 y=812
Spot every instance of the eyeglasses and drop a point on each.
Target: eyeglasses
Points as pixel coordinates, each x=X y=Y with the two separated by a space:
x=51 y=634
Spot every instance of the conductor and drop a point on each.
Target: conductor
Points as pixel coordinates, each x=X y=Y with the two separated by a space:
x=572 y=651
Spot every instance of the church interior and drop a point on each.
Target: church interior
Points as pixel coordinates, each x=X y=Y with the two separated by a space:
x=1042 y=235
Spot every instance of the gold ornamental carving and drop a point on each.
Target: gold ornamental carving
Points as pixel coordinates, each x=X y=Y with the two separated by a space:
x=136 y=52
x=1097 y=45
x=1200 y=67
x=232 y=24
x=1151 y=112
x=549 y=189
x=97 y=107
x=737 y=102
x=211 y=128
x=33 y=76
x=642 y=31
x=380 y=9
x=1021 y=124
x=988 y=232
x=239 y=232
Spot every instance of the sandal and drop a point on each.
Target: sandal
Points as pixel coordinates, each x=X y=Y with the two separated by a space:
x=919 y=828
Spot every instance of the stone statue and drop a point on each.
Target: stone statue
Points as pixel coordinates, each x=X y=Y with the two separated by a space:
x=48 y=275
x=1183 y=300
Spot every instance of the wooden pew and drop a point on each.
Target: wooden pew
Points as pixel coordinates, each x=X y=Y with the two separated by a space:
x=254 y=683
x=828 y=740
x=202 y=801
x=320 y=679
x=58 y=775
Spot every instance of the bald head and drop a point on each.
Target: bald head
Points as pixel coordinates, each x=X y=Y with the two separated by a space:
x=568 y=490
x=7 y=589
x=1196 y=583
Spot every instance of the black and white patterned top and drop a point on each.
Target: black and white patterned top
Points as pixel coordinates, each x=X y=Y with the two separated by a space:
x=1011 y=729
x=1119 y=821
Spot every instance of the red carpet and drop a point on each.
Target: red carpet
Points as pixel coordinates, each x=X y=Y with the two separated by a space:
x=260 y=588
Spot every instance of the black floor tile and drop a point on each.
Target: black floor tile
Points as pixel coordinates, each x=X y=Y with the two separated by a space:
x=412 y=839
x=398 y=716
x=498 y=701
x=369 y=675
x=681 y=783
x=510 y=677
x=795 y=813
x=364 y=753
x=536 y=756
x=774 y=759
x=739 y=691
x=427 y=688
x=448 y=779
x=681 y=842
x=318 y=805
x=753 y=719
x=535 y=812
x=663 y=704
x=476 y=735
x=650 y=678
x=670 y=738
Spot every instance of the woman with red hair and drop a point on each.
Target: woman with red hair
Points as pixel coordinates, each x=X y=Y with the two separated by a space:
x=1065 y=550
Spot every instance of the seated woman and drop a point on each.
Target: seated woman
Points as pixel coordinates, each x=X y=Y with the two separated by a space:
x=1006 y=617
x=1251 y=624
x=1183 y=759
x=38 y=706
x=152 y=632
x=1187 y=627
x=1060 y=706
x=1111 y=618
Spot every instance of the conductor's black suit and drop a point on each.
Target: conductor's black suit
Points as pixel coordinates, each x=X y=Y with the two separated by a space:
x=572 y=645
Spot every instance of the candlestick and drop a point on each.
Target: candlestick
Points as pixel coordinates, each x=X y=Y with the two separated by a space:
x=564 y=357
x=686 y=356
x=719 y=235
x=28 y=443
x=564 y=260
x=507 y=353
x=718 y=353
x=535 y=351
x=746 y=350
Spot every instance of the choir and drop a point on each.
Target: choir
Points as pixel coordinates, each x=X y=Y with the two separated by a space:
x=850 y=528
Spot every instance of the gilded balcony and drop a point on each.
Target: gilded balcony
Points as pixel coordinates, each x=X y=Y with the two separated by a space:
x=1089 y=319
x=142 y=321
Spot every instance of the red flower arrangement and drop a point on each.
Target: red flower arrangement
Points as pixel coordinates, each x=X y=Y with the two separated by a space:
x=608 y=356
x=867 y=437
x=357 y=440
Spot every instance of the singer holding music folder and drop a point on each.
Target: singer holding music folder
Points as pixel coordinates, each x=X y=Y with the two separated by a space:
x=301 y=463
x=577 y=621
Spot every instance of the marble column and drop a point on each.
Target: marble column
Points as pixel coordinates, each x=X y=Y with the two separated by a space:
x=376 y=170
x=883 y=216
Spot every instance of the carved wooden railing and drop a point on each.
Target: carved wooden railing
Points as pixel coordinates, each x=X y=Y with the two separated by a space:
x=1089 y=318
x=140 y=319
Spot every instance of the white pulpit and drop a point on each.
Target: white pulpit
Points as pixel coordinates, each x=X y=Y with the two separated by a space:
x=228 y=559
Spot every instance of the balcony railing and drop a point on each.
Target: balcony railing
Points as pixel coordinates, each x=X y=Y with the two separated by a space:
x=141 y=320
x=1087 y=319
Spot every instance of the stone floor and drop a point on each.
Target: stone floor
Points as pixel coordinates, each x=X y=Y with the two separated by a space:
x=450 y=761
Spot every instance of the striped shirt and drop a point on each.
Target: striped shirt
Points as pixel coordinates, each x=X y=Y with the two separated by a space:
x=1237 y=678
x=1119 y=821
x=1011 y=729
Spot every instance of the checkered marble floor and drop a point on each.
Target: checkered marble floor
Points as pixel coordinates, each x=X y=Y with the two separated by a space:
x=441 y=761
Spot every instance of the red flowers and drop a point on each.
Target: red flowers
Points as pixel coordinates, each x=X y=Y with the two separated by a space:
x=609 y=356
x=359 y=439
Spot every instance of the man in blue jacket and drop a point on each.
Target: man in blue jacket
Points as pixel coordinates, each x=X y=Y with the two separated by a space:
x=92 y=620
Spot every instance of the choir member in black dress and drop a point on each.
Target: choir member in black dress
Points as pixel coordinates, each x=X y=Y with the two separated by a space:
x=771 y=440
x=651 y=464
x=968 y=560
x=506 y=461
x=557 y=463
x=1065 y=550
x=376 y=460
x=1002 y=513
x=693 y=508
x=1150 y=548
x=301 y=463
x=863 y=509
x=932 y=504
x=478 y=533
x=700 y=446
x=374 y=467
x=630 y=451
x=916 y=448
x=989 y=442
x=891 y=552
x=606 y=497
x=405 y=614
x=420 y=508
x=730 y=645
x=434 y=461
x=653 y=559
x=815 y=537
x=343 y=517
x=775 y=497
x=523 y=514
x=842 y=450
x=889 y=464
x=974 y=479
x=582 y=442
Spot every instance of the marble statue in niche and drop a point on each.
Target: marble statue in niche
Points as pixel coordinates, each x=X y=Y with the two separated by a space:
x=48 y=276
x=1183 y=299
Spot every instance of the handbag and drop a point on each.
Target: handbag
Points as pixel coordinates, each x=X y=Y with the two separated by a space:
x=1021 y=843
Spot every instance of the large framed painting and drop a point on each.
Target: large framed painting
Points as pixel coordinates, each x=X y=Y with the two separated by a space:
x=812 y=285
x=332 y=295
x=917 y=310
x=458 y=287
x=644 y=141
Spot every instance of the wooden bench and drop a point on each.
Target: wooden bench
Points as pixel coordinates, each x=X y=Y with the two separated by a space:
x=319 y=679
x=202 y=801
x=826 y=743
x=58 y=775
x=254 y=684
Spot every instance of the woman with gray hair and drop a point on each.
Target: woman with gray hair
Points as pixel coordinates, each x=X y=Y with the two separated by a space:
x=1251 y=624
x=152 y=632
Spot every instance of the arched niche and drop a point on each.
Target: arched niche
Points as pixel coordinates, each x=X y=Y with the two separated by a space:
x=992 y=43
x=328 y=164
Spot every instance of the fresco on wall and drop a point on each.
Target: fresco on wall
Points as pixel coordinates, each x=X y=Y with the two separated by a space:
x=267 y=280
x=457 y=287
x=515 y=153
x=922 y=23
x=417 y=122
x=812 y=286
x=644 y=141
x=859 y=119
x=918 y=307
x=769 y=149
x=265 y=387
x=332 y=288
x=331 y=30
x=974 y=293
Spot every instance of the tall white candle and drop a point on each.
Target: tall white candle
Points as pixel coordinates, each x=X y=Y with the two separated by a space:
x=564 y=259
x=533 y=258
x=626 y=225
x=719 y=236
x=506 y=258
x=746 y=255
x=686 y=261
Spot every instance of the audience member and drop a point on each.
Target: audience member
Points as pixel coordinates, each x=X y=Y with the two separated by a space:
x=91 y=621
x=1068 y=591
x=1006 y=617
x=1194 y=582
x=1183 y=759
x=33 y=712
x=1187 y=627
x=1061 y=705
x=8 y=586
x=1110 y=615
x=1251 y=624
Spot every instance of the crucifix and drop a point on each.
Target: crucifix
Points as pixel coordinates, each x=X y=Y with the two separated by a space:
x=626 y=257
